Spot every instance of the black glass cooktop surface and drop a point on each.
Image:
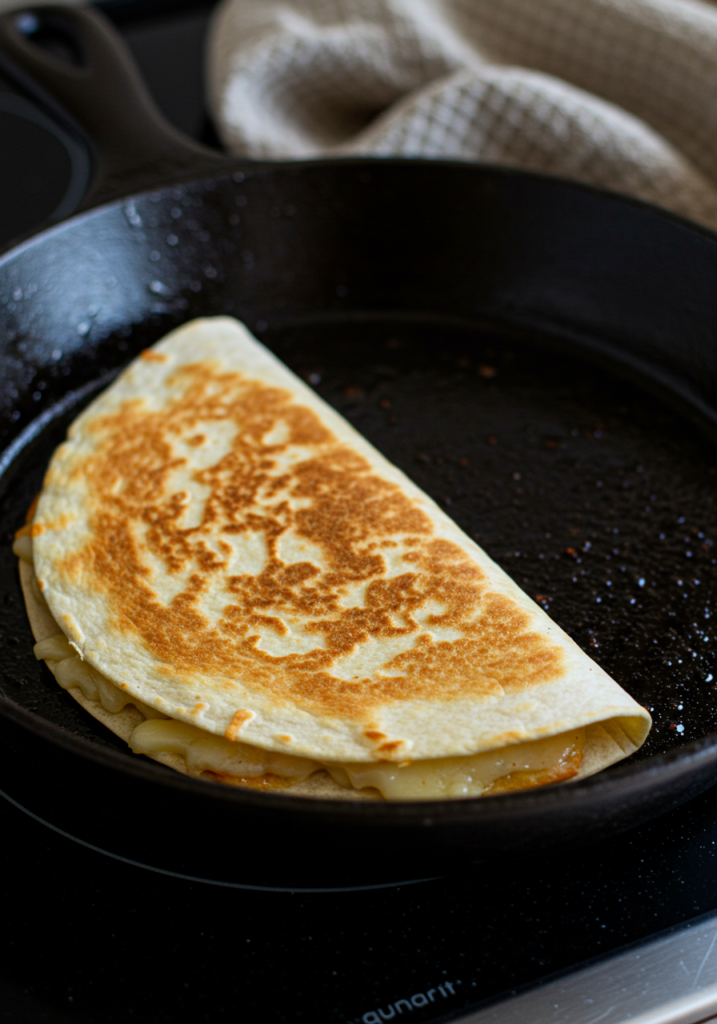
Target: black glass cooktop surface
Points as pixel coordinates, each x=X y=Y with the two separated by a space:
x=88 y=937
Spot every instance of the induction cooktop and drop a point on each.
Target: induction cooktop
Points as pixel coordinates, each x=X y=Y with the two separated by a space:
x=623 y=930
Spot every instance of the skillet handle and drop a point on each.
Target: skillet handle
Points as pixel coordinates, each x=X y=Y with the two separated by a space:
x=135 y=148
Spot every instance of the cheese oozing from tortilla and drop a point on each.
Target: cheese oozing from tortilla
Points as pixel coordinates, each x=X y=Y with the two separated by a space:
x=518 y=766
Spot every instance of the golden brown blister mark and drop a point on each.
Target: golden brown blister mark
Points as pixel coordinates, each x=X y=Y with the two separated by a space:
x=389 y=749
x=30 y=515
x=239 y=720
x=27 y=528
x=505 y=739
x=373 y=734
x=330 y=497
x=153 y=357
x=61 y=523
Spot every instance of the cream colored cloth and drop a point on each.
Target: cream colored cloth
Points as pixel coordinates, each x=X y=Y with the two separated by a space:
x=617 y=93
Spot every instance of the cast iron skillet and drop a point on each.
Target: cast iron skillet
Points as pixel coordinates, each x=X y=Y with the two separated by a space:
x=534 y=353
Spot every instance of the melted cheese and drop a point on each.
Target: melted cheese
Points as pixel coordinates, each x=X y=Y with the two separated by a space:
x=204 y=751
x=553 y=759
x=518 y=766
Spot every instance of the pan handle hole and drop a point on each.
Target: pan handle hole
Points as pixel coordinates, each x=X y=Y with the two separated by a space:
x=53 y=35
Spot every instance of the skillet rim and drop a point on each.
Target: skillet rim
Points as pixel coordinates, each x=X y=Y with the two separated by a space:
x=227 y=166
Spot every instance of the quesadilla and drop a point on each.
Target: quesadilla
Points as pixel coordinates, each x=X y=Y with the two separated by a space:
x=224 y=572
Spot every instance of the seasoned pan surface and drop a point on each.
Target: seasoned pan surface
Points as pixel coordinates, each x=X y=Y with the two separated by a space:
x=538 y=356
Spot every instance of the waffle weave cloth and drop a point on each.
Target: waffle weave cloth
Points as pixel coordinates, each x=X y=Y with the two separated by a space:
x=616 y=93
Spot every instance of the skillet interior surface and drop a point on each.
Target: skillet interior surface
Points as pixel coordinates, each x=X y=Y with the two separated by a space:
x=490 y=349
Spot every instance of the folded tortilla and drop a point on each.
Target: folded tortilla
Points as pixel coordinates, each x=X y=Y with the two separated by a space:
x=220 y=549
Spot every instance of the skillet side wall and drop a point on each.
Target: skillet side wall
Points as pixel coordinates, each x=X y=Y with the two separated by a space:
x=285 y=242
x=278 y=245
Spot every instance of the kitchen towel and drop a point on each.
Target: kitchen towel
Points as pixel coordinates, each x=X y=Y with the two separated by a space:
x=616 y=93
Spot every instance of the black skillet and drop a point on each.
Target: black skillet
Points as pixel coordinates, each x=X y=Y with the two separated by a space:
x=539 y=356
